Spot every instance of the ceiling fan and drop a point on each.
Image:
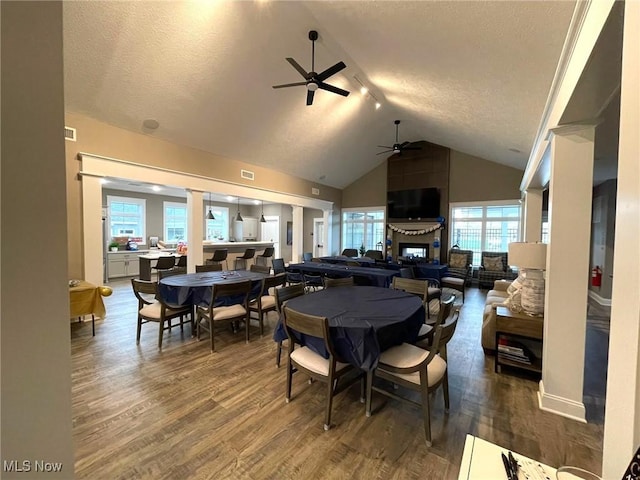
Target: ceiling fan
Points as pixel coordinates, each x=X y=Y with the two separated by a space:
x=398 y=147
x=314 y=81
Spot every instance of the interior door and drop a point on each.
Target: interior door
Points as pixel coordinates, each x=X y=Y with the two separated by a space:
x=270 y=232
x=318 y=237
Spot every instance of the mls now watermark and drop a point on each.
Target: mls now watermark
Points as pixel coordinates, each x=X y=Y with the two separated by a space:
x=31 y=466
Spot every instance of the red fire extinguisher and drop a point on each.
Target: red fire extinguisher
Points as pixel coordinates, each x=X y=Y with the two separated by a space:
x=596 y=276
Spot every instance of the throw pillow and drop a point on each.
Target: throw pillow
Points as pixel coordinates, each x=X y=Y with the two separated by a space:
x=458 y=260
x=493 y=264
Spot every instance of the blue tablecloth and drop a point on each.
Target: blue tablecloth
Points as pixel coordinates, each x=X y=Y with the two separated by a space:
x=341 y=259
x=377 y=277
x=363 y=321
x=195 y=288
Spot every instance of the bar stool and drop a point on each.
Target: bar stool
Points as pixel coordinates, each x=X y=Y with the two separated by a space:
x=249 y=253
x=264 y=258
x=181 y=264
x=219 y=256
x=164 y=263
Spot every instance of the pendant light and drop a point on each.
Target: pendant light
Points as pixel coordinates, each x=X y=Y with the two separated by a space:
x=210 y=214
x=238 y=216
x=262 y=219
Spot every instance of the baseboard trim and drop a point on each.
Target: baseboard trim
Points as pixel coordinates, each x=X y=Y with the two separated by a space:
x=605 y=302
x=561 y=406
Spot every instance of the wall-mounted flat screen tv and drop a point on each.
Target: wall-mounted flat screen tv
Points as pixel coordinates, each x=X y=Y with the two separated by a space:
x=419 y=203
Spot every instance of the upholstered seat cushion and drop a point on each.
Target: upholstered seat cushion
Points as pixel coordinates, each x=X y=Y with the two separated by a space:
x=495 y=297
x=268 y=301
x=407 y=356
x=452 y=281
x=233 y=311
x=153 y=311
x=312 y=361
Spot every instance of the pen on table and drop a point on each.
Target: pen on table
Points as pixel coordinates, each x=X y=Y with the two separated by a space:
x=507 y=467
x=514 y=464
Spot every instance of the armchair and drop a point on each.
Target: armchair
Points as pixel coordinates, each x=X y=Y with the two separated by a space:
x=459 y=270
x=494 y=266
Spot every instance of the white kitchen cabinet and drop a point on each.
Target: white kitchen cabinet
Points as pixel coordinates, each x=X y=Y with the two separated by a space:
x=123 y=265
x=250 y=229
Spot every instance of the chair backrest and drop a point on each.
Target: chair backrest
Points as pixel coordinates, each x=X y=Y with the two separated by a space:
x=446 y=306
x=248 y=253
x=455 y=259
x=144 y=287
x=407 y=272
x=499 y=261
x=374 y=254
x=338 y=282
x=260 y=269
x=273 y=282
x=219 y=255
x=165 y=263
x=169 y=273
x=211 y=267
x=240 y=289
x=286 y=293
x=278 y=265
x=182 y=261
x=350 y=252
x=307 y=256
x=444 y=333
x=268 y=252
x=307 y=325
x=411 y=285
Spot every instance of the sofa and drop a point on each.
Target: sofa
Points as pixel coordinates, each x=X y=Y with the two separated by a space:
x=495 y=297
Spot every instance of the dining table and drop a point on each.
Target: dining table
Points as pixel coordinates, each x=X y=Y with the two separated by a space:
x=364 y=321
x=195 y=288
x=377 y=277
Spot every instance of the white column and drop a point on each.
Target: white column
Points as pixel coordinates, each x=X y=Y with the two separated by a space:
x=93 y=243
x=328 y=229
x=297 y=244
x=195 y=229
x=622 y=415
x=567 y=273
x=532 y=215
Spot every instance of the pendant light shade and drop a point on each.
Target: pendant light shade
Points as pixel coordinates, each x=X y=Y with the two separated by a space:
x=238 y=216
x=262 y=219
x=210 y=213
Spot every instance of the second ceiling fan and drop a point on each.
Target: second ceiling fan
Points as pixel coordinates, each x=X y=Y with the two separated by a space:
x=398 y=147
x=314 y=81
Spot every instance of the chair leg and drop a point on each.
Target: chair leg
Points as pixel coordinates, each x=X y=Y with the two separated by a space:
x=424 y=391
x=93 y=325
x=246 y=327
x=368 y=390
x=287 y=396
x=261 y=320
x=278 y=353
x=445 y=390
x=138 y=330
x=210 y=320
x=160 y=332
x=327 y=414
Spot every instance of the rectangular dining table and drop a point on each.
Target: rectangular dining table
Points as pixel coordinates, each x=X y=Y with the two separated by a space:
x=363 y=321
x=377 y=277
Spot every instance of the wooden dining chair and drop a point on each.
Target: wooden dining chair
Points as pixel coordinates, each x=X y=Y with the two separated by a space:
x=416 y=369
x=151 y=308
x=422 y=288
x=282 y=295
x=338 y=282
x=211 y=267
x=265 y=302
x=207 y=316
x=303 y=359
x=260 y=269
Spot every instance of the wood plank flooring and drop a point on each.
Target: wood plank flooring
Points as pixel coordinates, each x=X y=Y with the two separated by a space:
x=187 y=413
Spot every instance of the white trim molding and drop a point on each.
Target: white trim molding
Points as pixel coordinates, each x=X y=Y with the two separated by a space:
x=605 y=302
x=561 y=406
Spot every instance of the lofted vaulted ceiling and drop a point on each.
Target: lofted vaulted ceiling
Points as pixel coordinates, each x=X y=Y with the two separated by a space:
x=473 y=76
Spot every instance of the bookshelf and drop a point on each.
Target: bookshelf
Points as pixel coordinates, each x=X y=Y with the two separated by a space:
x=518 y=341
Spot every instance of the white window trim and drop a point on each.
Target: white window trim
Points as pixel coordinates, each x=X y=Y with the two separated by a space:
x=215 y=208
x=383 y=221
x=166 y=204
x=140 y=201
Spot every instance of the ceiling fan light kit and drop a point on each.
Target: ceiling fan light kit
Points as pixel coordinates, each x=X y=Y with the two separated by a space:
x=314 y=81
x=397 y=147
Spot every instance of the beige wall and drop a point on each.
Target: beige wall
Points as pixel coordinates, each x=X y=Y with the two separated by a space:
x=106 y=140
x=473 y=179
x=36 y=362
x=369 y=190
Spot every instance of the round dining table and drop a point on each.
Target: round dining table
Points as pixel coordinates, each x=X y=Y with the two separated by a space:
x=195 y=288
x=363 y=321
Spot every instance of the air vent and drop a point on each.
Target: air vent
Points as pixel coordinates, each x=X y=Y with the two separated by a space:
x=70 y=134
x=247 y=175
x=315 y=191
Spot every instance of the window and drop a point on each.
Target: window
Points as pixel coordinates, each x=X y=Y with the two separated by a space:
x=175 y=222
x=217 y=229
x=487 y=226
x=363 y=227
x=126 y=217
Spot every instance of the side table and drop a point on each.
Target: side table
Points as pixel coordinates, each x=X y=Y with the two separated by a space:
x=518 y=326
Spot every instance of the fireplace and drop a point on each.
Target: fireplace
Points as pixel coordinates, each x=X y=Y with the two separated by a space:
x=413 y=250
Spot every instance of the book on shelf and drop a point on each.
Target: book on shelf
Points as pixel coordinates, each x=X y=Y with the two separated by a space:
x=514 y=351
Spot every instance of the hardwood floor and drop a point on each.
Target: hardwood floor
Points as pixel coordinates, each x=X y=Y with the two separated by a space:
x=187 y=413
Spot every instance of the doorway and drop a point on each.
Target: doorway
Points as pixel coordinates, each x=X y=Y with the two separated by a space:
x=270 y=232
x=318 y=237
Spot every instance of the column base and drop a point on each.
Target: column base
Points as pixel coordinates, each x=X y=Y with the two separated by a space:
x=561 y=406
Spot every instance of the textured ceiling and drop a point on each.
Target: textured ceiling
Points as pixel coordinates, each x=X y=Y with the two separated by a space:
x=473 y=76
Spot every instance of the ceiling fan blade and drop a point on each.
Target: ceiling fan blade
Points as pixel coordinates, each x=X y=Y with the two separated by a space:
x=297 y=84
x=331 y=71
x=310 y=97
x=386 y=151
x=385 y=146
x=404 y=144
x=411 y=148
x=331 y=88
x=297 y=66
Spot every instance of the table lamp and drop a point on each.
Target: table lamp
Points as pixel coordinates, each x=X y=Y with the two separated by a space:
x=531 y=259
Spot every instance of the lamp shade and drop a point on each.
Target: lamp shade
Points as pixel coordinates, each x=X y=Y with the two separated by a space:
x=528 y=255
